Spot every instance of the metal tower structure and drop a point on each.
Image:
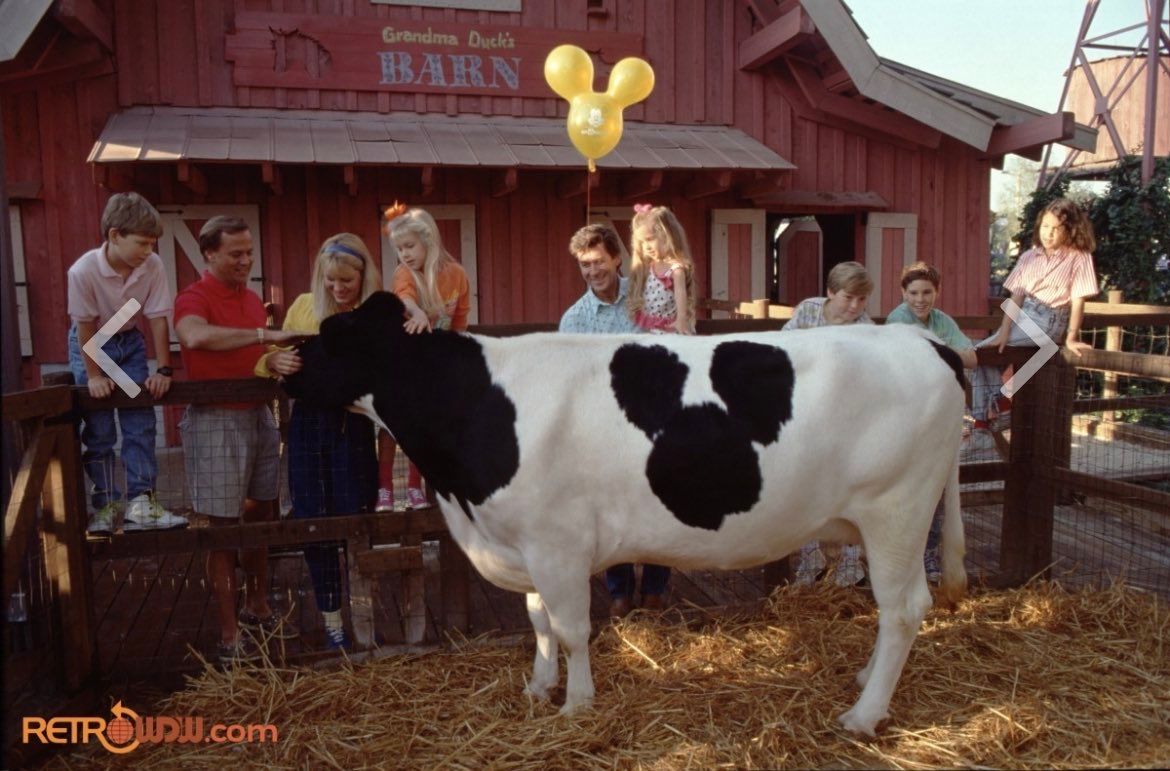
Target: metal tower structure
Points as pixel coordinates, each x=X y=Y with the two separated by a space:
x=1146 y=58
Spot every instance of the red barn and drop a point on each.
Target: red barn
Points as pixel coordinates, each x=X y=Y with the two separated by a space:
x=781 y=140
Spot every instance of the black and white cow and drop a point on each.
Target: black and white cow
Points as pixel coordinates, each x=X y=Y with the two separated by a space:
x=554 y=456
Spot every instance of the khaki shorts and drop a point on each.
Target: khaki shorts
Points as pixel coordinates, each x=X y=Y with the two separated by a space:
x=230 y=455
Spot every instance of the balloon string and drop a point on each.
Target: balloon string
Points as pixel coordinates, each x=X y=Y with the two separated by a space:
x=588 y=195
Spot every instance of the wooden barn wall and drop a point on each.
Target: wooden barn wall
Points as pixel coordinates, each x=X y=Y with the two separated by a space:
x=173 y=54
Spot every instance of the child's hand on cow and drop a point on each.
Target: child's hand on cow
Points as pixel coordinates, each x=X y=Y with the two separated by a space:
x=417 y=321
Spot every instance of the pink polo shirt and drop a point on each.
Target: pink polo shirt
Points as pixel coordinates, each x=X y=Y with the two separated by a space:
x=96 y=292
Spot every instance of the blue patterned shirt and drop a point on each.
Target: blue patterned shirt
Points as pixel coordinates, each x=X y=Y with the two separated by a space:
x=590 y=315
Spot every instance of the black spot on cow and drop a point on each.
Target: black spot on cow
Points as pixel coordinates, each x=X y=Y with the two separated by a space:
x=648 y=383
x=755 y=382
x=702 y=465
x=433 y=390
x=953 y=361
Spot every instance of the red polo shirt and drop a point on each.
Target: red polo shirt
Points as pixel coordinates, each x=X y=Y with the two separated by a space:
x=222 y=306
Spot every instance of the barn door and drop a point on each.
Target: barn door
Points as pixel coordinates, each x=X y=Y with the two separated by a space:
x=16 y=233
x=891 y=243
x=738 y=255
x=179 y=245
x=457 y=229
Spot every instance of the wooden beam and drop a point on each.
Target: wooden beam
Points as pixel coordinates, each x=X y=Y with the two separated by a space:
x=822 y=201
x=868 y=115
x=1032 y=134
x=640 y=185
x=708 y=183
x=20 y=516
x=572 y=184
x=762 y=184
x=779 y=36
x=270 y=173
x=505 y=182
x=765 y=11
x=24 y=190
x=86 y=21
x=192 y=178
x=349 y=171
x=115 y=177
x=427 y=180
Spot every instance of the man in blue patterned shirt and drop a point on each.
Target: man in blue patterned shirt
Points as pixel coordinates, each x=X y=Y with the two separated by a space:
x=602 y=309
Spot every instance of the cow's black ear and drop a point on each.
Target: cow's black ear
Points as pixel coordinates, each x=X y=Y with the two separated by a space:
x=374 y=323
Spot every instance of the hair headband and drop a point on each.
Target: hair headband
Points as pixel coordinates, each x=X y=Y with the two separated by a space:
x=642 y=208
x=336 y=248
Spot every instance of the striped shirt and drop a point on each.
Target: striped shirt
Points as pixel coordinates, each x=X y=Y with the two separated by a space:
x=1054 y=280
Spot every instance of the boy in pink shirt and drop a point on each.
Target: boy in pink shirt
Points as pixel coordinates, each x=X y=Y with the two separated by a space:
x=100 y=283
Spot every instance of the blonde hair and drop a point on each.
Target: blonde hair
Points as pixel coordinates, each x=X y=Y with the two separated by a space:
x=342 y=249
x=420 y=224
x=850 y=277
x=671 y=234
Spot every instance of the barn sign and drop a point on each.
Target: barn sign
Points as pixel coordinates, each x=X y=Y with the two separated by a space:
x=328 y=52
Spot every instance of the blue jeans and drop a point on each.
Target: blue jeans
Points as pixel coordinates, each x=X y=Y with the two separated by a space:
x=985 y=381
x=332 y=469
x=619 y=579
x=99 y=434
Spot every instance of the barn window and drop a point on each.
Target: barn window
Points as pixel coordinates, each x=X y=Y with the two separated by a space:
x=21 y=280
x=473 y=5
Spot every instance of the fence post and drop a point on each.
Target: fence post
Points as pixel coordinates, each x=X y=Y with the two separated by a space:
x=1041 y=424
x=66 y=559
x=1112 y=343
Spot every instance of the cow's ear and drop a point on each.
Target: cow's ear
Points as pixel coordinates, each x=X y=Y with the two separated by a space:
x=372 y=325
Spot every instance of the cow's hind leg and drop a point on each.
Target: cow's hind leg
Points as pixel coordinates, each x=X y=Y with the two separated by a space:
x=544 y=668
x=564 y=592
x=900 y=589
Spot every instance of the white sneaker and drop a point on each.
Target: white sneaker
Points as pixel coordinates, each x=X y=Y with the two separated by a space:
x=850 y=569
x=979 y=446
x=145 y=513
x=812 y=562
x=101 y=522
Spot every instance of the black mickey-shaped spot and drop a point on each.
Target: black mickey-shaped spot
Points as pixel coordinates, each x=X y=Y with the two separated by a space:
x=648 y=384
x=755 y=382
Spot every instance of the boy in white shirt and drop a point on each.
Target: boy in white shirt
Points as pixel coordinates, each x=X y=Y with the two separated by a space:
x=101 y=282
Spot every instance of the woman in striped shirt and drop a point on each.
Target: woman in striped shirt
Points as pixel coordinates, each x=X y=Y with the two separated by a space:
x=1050 y=283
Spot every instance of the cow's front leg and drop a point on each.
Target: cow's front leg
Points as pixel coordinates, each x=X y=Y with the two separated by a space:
x=564 y=592
x=544 y=668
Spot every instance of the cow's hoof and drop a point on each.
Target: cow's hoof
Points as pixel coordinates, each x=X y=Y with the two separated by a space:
x=573 y=706
x=859 y=724
x=538 y=691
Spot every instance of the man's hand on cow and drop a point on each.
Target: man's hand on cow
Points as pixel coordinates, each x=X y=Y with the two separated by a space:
x=416 y=322
x=285 y=336
x=284 y=363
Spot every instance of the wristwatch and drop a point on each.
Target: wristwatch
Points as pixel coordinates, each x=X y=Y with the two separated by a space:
x=166 y=371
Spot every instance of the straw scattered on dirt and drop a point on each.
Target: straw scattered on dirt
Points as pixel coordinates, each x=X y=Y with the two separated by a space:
x=1030 y=678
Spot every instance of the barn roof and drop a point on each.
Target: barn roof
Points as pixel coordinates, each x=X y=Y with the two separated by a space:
x=169 y=134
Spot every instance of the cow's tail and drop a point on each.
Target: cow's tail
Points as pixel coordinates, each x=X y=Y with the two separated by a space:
x=954 y=545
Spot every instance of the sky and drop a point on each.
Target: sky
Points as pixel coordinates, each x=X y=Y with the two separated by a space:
x=1018 y=49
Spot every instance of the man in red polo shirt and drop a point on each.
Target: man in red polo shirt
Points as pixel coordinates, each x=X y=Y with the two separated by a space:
x=232 y=451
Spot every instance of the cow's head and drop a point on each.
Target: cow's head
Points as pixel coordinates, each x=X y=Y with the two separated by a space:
x=341 y=364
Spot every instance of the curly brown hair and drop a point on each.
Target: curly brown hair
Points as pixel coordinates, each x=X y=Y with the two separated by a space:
x=1077 y=227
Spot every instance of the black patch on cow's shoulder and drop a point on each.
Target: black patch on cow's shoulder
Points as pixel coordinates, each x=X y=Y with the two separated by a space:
x=703 y=467
x=755 y=382
x=648 y=384
x=433 y=390
x=457 y=425
x=953 y=361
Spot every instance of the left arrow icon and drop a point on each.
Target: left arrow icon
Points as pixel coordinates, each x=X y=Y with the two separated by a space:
x=93 y=348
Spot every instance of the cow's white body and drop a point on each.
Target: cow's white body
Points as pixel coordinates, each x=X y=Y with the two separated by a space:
x=870 y=443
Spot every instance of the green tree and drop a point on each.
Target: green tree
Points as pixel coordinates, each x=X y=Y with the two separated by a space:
x=1132 y=225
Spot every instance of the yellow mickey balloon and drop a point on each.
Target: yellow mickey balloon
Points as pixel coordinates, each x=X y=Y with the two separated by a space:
x=595 y=119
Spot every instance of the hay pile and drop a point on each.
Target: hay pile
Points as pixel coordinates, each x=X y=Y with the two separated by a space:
x=1030 y=678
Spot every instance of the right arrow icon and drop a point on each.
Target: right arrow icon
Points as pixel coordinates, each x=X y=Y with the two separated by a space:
x=94 y=348
x=1047 y=348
